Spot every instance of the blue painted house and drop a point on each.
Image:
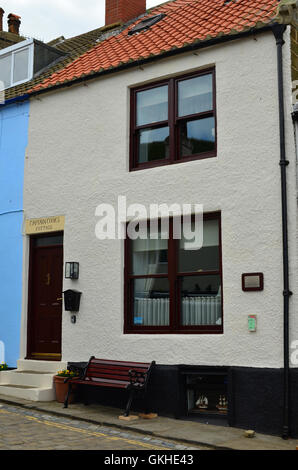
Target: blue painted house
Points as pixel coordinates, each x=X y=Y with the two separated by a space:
x=14 y=119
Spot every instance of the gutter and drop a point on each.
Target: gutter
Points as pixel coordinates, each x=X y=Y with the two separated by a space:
x=14 y=100
x=154 y=58
x=278 y=31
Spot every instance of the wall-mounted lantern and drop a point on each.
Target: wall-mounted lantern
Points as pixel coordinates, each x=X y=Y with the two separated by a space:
x=252 y=282
x=71 y=270
x=72 y=300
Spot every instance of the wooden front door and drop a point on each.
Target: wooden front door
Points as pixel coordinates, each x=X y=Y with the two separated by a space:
x=45 y=297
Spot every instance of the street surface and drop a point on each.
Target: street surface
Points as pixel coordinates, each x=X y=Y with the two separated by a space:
x=23 y=429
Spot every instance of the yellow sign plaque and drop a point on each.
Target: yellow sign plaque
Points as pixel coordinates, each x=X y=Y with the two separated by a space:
x=45 y=225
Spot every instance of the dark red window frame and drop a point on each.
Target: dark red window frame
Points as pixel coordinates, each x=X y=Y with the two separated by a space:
x=174 y=278
x=172 y=122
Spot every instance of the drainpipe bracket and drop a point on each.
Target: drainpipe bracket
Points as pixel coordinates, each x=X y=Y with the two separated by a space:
x=287 y=293
x=280 y=41
x=284 y=162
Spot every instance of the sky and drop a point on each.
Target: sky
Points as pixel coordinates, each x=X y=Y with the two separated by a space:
x=48 y=19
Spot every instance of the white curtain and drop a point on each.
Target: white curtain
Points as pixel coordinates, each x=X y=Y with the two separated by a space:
x=195 y=311
x=154 y=312
x=201 y=311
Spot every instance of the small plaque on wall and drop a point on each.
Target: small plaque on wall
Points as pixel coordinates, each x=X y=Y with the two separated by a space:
x=252 y=282
x=252 y=323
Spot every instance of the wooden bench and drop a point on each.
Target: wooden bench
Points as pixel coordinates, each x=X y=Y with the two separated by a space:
x=131 y=376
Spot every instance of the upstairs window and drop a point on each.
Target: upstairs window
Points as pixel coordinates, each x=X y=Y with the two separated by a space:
x=16 y=64
x=173 y=121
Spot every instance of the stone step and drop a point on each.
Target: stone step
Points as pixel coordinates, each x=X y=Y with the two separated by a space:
x=50 y=367
x=27 y=393
x=30 y=378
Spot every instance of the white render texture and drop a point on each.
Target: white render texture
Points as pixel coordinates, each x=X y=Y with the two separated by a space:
x=78 y=158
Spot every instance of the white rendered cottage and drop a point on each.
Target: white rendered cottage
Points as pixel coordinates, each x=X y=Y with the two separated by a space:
x=200 y=123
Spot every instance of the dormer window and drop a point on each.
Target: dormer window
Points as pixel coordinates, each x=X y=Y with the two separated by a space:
x=16 y=64
x=24 y=60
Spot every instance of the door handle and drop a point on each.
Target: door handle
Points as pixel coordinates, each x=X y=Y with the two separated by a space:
x=48 y=281
x=60 y=298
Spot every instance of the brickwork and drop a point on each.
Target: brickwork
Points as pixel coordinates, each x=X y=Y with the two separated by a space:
x=120 y=11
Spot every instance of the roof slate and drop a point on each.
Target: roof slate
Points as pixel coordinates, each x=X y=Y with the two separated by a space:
x=185 y=22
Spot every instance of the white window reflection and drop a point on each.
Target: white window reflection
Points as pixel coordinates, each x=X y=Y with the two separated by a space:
x=16 y=64
x=21 y=66
x=195 y=95
x=152 y=105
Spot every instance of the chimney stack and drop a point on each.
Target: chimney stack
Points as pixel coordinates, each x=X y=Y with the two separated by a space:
x=14 y=23
x=121 y=11
x=1 y=18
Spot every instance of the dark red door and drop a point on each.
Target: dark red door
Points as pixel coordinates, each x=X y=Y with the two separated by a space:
x=45 y=303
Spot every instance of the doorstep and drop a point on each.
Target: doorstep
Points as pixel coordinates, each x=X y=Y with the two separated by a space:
x=32 y=380
x=189 y=432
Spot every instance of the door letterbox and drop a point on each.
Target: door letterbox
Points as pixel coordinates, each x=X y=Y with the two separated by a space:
x=72 y=300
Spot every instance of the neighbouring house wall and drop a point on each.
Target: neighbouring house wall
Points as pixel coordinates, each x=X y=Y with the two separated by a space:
x=13 y=143
x=78 y=157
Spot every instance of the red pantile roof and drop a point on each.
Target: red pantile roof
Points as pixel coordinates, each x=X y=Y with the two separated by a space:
x=186 y=22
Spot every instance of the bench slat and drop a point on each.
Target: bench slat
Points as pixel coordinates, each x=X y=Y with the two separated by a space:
x=113 y=367
x=101 y=383
x=100 y=380
x=112 y=370
x=120 y=363
x=112 y=376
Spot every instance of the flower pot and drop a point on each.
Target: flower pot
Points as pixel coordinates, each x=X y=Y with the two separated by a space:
x=62 y=389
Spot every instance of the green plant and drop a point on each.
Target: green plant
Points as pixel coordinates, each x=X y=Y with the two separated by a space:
x=3 y=366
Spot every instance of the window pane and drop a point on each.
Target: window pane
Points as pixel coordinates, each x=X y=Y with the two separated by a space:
x=153 y=144
x=48 y=241
x=197 y=137
x=152 y=105
x=202 y=259
x=5 y=71
x=151 y=302
x=149 y=256
x=201 y=300
x=195 y=95
x=21 y=60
